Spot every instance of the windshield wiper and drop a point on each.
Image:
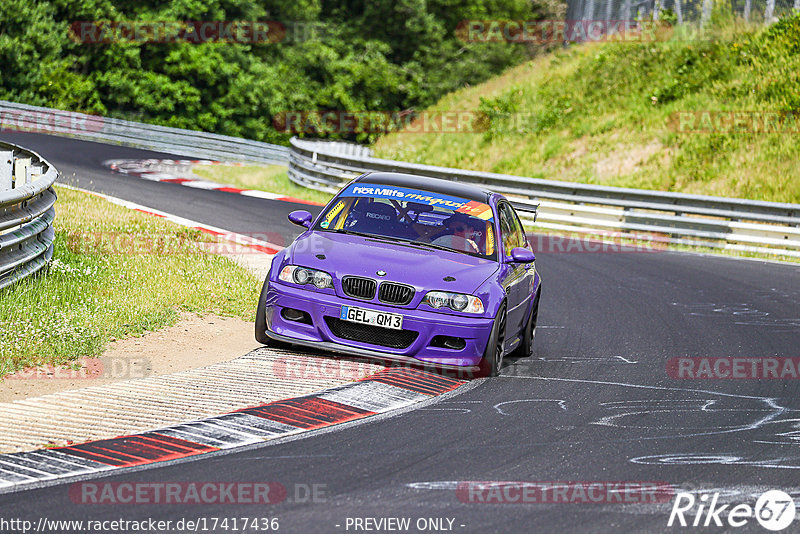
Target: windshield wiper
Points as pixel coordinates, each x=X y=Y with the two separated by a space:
x=399 y=239
x=379 y=237
x=353 y=232
x=438 y=247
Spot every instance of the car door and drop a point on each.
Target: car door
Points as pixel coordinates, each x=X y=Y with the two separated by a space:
x=527 y=287
x=515 y=275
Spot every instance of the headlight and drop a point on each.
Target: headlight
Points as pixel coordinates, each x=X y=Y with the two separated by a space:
x=304 y=275
x=436 y=299
x=455 y=301
x=322 y=280
x=459 y=302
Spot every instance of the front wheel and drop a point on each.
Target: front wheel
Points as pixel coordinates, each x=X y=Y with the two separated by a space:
x=261 y=316
x=261 y=320
x=493 y=355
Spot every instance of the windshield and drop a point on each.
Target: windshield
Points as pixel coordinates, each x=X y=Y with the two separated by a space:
x=423 y=217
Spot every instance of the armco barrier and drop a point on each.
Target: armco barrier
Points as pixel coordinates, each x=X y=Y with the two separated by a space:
x=26 y=212
x=735 y=224
x=729 y=223
x=190 y=143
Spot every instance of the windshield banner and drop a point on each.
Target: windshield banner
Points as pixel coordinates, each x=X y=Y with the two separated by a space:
x=461 y=205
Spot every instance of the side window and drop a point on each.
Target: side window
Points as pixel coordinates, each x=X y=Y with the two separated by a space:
x=507 y=229
x=519 y=229
x=513 y=234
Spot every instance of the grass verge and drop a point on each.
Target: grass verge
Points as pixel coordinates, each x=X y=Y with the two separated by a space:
x=116 y=273
x=272 y=178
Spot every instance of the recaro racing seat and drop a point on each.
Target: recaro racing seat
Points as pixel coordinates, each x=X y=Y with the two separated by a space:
x=375 y=218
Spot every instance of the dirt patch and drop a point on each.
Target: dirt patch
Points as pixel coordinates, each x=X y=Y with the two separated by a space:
x=581 y=148
x=624 y=160
x=193 y=342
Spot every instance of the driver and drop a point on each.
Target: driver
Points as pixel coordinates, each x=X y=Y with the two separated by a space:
x=460 y=233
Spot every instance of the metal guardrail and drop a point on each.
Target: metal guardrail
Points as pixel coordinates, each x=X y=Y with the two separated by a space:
x=189 y=143
x=26 y=212
x=730 y=223
x=761 y=11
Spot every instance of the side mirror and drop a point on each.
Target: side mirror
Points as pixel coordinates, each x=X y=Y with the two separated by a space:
x=301 y=218
x=522 y=255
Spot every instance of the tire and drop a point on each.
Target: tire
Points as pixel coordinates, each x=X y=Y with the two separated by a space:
x=493 y=355
x=525 y=348
x=261 y=321
x=261 y=316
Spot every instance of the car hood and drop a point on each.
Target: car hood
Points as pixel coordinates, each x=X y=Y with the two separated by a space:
x=424 y=268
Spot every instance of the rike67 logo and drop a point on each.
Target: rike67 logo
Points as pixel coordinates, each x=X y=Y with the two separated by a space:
x=774 y=510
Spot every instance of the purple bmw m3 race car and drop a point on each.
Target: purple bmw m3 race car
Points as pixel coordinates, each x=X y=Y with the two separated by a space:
x=406 y=268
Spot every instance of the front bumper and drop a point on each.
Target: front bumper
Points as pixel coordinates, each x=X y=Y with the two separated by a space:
x=475 y=331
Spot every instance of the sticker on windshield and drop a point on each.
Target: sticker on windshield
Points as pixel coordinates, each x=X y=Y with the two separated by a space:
x=469 y=207
x=477 y=209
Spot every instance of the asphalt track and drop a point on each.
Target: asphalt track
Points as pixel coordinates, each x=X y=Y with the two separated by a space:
x=594 y=404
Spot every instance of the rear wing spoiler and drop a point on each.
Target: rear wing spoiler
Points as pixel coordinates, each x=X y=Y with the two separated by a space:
x=527 y=208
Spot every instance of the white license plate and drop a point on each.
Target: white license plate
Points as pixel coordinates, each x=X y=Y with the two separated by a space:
x=360 y=315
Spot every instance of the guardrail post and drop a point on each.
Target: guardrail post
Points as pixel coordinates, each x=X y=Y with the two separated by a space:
x=706 y=12
x=21 y=171
x=626 y=11
x=769 y=12
x=34 y=172
x=588 y=13
x=6 y=170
